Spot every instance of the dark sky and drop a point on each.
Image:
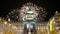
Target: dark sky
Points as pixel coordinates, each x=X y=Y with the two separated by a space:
x=50 y=5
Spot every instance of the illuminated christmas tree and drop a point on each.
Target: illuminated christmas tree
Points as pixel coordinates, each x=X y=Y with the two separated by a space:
x=19 y=14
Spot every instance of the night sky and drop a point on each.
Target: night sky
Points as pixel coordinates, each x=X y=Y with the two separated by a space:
x=50 y=5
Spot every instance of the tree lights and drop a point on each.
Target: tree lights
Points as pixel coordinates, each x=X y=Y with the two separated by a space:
x=19 y=14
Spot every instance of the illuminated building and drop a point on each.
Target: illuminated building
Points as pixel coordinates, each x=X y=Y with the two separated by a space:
x=54 y=24
x=29 y=14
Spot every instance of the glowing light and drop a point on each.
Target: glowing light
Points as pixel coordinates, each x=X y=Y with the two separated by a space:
x=9 y=24
x=56 y=12
x=9 y=19
x=29 y=11
x=5 y=22
x=14 y=27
